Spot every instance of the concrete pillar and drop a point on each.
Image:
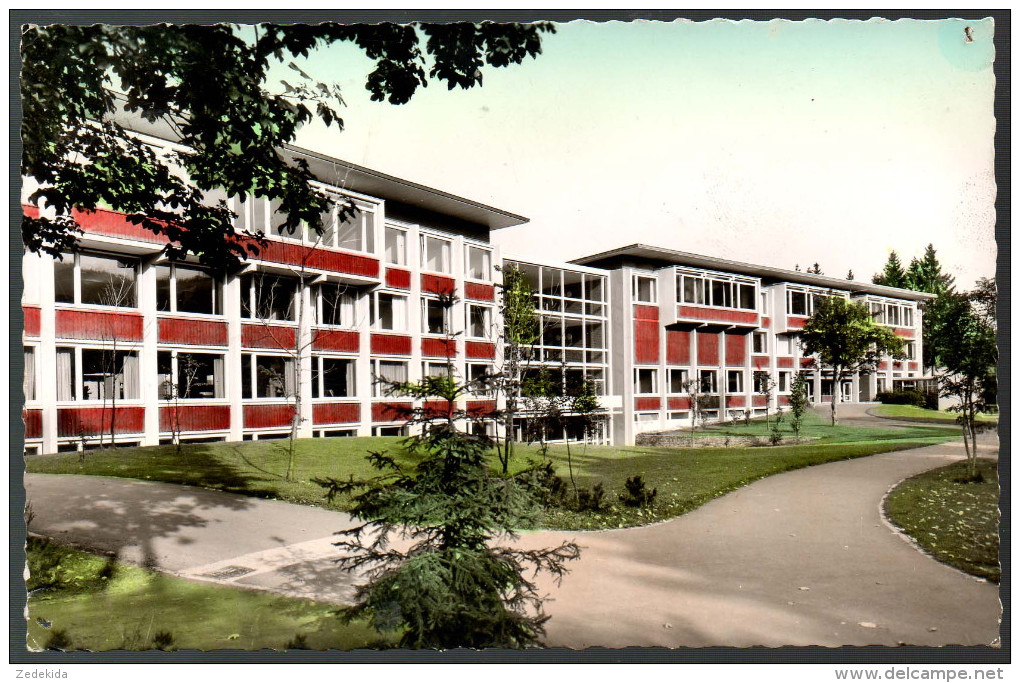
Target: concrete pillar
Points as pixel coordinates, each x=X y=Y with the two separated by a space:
x=232 y=311
x=304 y=347
x=41 y=268
x=148 y=360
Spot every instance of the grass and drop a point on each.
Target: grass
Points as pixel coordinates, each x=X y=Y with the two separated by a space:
x=80 y=601
x=685 y=478
x=916 y=414
x=954 y=520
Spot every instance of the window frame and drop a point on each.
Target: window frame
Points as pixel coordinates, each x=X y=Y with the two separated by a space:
x=684 y=378
x=256 y=283
x=174 y=308
x=78 y=374
x=76 y=278
x=423 y=242
x=654 y=381
x=714 y=388
x=403 y=232
x=375 y=364
x=375 y=318
x=469 y=248
x=732 y=375
x=253 y=376
x=446 y=309
x=348 y=302
x=469 y=324
x=318 y=387
x=636 y=289
x=175 y=373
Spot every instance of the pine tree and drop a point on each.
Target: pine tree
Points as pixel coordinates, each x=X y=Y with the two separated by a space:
x=850 y=274
x=892 y=275
x=815 y=269
x=926 y=274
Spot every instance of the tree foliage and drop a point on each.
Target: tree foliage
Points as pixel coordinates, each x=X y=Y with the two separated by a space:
x=893 y=274
x=798 y=403
x=429 y=543
x=847 y=340
x=211 y=86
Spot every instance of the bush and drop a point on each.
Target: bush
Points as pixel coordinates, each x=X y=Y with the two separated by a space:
x=903 y=397
x=591 y=500
x=637 y=495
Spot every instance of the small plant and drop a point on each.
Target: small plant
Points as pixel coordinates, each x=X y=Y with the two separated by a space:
x=298 y=642
x=555 y=490
x=59 y=640
x=747 y=418
x=591 y=501
x=776 y=436
x=164 y=640
x=637 y=494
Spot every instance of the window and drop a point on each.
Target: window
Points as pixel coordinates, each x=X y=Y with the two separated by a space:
x=96 y=280
x=693 y=290
x=765 y=303
x=105 y=374
x=785 y=382
x=355 y=233
x=761 y=380
x=892 y=314
x=478 y=321
x=332 y=377
x=396 y=246
x=435 y=254
x=797 y=303
x=29 y=384
x=437 y=369
x=333 y=305
x=720 y=291
x=480 y=378
x=677 y=381
x=265 y=376
x=385 y=374
x=708 y=381
x=595 y=287
x=182 y=289
x=877 y=312
x=784 y=345
x=908 y=317
x=910 y=350
x=259 y=215
x=644 y=289
x=478 y=263
x=190 y=375
x=759 y=342
x=389 y=312
x=267 y=297
x=646 y=381
x=735 y=381
x=435 y=316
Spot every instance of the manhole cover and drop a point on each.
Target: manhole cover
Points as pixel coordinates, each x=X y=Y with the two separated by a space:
x=229 y=572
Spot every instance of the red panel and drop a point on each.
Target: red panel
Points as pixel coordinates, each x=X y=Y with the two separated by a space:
x=333 y=413
x=96 y=421
x=759 y=401
x=708 y=348
x=784 y=400
x=647 y=403
x=736 y=401
x=261 y=416
x=189 y=331
x=444 y=348
x=267 y=337
x=766 y=322
x=391 y=344
x=479 y=349
x=646 y=312
x=897 y=365
x=646 y=341
x=807 y=362
x=762 y=361
x=320 y=258
x=480 y=408
x=886 y=365
x=30 y=210
x=438 y=408
x=399 y=279
x=479 y=292
x=32 y=314
x=678 y=347
x=437 y=284
x=736 y=349
x=912 y=365
x=114 y=224
x=336 y=340
x=390 y=412
x=784 y=362
x=194 y=418
x=72 y=324
x=720 y=314
x=33 y=423
x=795 y=322
x=676 y=403
x=905 y=332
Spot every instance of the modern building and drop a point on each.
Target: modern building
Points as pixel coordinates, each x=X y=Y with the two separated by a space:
x=123 y=347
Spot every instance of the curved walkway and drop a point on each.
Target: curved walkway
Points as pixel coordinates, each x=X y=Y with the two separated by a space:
x=799 y=558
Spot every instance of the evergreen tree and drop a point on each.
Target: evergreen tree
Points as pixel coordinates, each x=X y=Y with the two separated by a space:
x=892 y=275
x=925 y=275
x=815 y=269
x=850 y=274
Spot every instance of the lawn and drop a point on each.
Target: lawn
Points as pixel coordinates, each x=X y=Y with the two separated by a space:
x=80 y=601
x=916 y=414
x=955 y=521
x=685 y=478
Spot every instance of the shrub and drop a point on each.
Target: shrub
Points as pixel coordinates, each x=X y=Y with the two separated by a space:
x=903 y=397
x=298 y=642
x=637 y=495
x=164 y=640
x=553 y=490
x=591 y=500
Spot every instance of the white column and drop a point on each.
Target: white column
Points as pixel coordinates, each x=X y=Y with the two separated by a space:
x=148 y=366
x=41 y=268
x=363 y=363
x=232 y=311
x=304 y=346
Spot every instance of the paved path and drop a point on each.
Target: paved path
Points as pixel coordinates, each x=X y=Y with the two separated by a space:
x=795 y=559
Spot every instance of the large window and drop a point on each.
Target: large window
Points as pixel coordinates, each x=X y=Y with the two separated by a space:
x=709 y=381
x=265 y=376
x=29 y=383
x=435 y=316
x=190 y=375
x=644 y=289
x=96 y=280
x=478 y=263
x=803 y=302
x=435 y=254
x=478 y=321
x=184 y=289
x=332 y=377
x=718 y=291
x=104 y=375
x=480 y=378
x=759 y=342
x=396 y=246
x=333 y=305
x=677 y=381
x=735 y=381
x=386 y=374
x=389 y=312
x=646 y=381
x=267 y=297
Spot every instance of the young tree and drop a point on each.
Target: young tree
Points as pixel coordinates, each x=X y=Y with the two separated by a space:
x=893 y=274
x=692 y=387
x=211 y=85
x=815 y=269
x=850 y=274
x=847 y=340
x=454 y=585
x=798 y=403
x=764 y=385
x=177 y=387
x=925 y=275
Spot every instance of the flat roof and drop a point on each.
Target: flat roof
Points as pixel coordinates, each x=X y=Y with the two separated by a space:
x=662 y=257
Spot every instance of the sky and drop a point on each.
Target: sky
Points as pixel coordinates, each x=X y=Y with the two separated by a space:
x=781 y=143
